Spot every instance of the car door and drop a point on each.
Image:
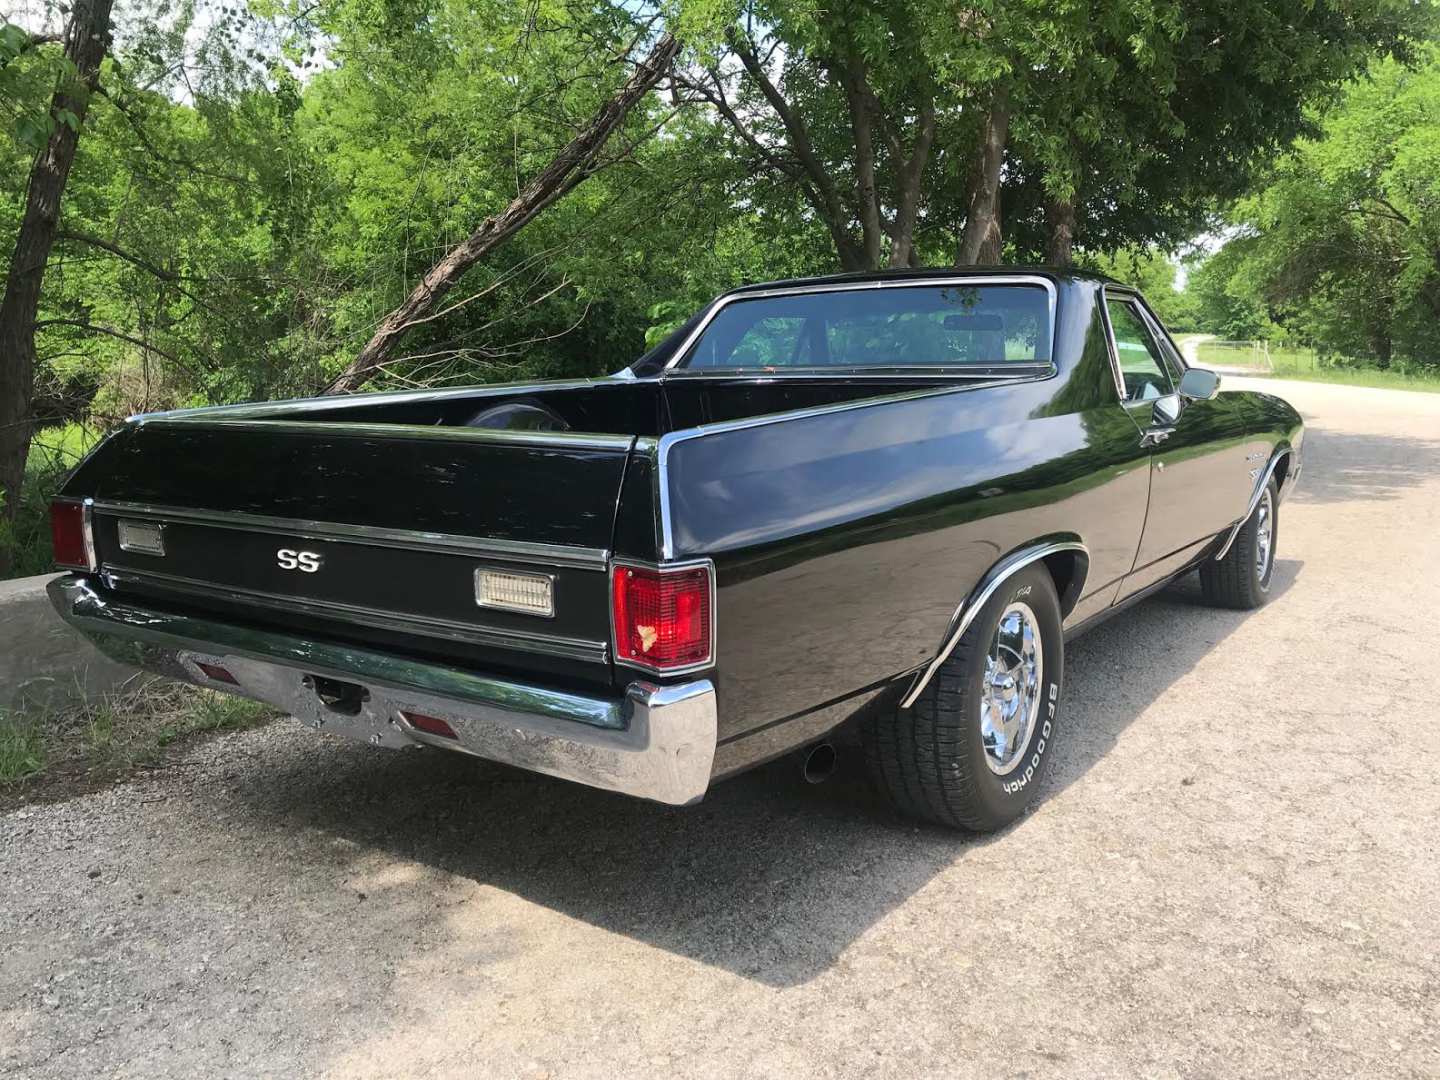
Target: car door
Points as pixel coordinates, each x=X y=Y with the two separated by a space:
x=1198 y=465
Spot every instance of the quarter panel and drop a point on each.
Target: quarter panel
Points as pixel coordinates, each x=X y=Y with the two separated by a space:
x=844 y=541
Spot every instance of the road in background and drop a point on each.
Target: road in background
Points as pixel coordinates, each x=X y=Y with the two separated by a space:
x=1233 y=870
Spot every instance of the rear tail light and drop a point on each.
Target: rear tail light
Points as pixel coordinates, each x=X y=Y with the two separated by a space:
x=663 y=616
x=70 y=535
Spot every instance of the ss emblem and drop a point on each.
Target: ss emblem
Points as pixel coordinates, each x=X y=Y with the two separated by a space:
x=307 y=562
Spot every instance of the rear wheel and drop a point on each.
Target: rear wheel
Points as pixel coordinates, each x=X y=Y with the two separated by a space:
x=971 y=750
x=1242 y=578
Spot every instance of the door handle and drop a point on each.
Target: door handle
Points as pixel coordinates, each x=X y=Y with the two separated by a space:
x=1156 y=435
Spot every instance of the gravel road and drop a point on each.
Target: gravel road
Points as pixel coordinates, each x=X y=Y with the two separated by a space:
x=1233 y=871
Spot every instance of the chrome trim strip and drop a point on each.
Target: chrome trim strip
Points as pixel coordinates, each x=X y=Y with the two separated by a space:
x=88 y=515
x=360 y=429
x=657 y=742
x=687 y=669
x=683 y=352
x=967 y=612
x=384 y=397
x=1111 y=350
x=911 y=373
x=583 y=558
x=1254 y=502
x=595 y=652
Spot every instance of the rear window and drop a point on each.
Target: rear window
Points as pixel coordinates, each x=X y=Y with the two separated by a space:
x=893 y=327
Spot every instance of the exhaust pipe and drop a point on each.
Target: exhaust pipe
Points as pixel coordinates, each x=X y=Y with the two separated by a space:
x=817 y=762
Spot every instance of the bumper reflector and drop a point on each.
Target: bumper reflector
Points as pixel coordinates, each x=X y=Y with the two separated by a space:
x=216 y=672
x=431 y=725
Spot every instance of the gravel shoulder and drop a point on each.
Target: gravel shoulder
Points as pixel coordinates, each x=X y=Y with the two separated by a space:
x=1233 y=871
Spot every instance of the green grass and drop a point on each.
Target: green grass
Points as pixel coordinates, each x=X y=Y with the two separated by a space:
x=22 y=747
x=78 y=747
x=1305 y=364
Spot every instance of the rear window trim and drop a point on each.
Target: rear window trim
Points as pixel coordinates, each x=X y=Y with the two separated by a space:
x=681 y=357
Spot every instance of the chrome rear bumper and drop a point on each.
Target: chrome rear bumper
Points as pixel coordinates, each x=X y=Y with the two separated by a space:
x=658 y=742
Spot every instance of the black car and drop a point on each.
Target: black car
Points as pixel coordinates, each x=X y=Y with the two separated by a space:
x=874 y=502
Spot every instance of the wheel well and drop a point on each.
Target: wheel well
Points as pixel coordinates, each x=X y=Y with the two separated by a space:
x=1067 y=570
x=1282 y=469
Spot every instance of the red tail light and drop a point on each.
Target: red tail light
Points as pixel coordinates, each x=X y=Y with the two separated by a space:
x=662 y=616
x=70 y=535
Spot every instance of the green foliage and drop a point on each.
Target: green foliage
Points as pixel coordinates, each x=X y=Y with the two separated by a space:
x=1154 y=274
x=48 y=749
x=53 y=453
x=1339 y=246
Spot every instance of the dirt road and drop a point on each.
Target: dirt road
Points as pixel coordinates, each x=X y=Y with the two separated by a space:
x=1234 y=871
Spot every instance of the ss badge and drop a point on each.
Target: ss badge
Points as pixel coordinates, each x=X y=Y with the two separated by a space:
x=307 y=562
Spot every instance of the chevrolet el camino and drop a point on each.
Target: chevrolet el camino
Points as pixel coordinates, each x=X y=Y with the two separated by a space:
x=870 y=506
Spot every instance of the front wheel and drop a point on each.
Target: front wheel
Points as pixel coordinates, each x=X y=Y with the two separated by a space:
x=971 y=750
x=1242 y=578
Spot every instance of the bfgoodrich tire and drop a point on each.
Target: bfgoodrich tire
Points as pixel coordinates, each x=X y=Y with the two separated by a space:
x=971 y=751
x=1242 y=579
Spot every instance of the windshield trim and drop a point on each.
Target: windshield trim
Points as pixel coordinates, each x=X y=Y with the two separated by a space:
x=681 y=356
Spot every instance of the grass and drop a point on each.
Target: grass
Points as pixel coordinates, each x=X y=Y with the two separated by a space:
x=51 y=753
x=1289 y=362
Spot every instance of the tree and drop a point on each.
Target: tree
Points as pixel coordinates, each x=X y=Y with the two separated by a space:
x=906 y=126
x=85 y=40
x=570 y=167
x=1341 y=244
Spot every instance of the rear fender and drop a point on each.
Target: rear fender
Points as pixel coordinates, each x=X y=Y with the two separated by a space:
x=1068 y=547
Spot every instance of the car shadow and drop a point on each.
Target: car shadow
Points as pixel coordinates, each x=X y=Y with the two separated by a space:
x=1344 y=467
x=768 y=878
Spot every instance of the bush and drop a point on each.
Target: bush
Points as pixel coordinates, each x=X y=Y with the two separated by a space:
x=54 y=452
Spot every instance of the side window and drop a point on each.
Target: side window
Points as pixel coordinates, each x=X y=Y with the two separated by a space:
x=1142 y=365
x=775 y=341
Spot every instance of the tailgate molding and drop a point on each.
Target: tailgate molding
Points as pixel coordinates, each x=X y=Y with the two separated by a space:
x=581 y=558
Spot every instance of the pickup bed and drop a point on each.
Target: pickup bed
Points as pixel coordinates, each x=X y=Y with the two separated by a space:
x=876 y=502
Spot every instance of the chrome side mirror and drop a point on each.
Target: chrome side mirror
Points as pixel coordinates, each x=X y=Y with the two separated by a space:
x=1199 y=384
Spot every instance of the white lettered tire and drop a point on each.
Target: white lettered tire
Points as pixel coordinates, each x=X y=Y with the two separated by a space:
x=970 y=753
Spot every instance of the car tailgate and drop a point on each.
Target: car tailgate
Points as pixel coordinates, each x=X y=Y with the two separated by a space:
x=395 y=521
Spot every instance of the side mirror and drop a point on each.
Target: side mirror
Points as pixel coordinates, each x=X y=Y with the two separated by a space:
x=1199 y=384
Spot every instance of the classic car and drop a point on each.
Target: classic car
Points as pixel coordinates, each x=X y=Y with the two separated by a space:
x=868 y=507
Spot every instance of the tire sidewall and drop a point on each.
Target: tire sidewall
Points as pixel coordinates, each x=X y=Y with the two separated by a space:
x=1006 y=796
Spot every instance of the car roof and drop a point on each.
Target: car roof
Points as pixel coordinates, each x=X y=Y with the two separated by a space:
x=938 y=273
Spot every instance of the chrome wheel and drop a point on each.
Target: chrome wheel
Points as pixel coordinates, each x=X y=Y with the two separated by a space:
x=1264 y=536
x=1010 y=697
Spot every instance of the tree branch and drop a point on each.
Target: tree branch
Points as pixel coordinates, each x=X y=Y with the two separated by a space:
x=832 y=209
x=96 y=328
x=576 y=161
x=121 y=253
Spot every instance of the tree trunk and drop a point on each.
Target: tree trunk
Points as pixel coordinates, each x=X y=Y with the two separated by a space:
x=569 y=168
x=1060 y=231
x=86 y=39
x=1383 y=348
x=980 y=243
x=910 y=177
